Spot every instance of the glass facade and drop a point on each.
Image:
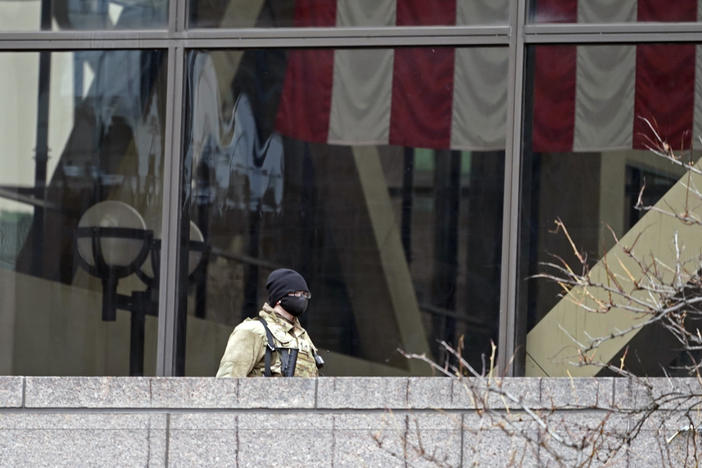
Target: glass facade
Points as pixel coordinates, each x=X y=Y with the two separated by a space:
x=345 y=13
x=78 y=128
x=408 y=157
x=363 y=176
x=605 y=11
x=586 y=159
x=97 y=15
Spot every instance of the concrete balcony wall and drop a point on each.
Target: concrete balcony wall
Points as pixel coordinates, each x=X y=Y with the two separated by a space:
x=329 y=421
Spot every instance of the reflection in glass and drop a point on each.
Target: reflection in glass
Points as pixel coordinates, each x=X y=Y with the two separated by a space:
x=585 y=161
x=78 y=128
x=34 y=15
x=378 y=174
x=606 y=11
x=345 y=13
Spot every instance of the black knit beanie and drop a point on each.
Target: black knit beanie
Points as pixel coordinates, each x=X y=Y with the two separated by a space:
x=283 y=281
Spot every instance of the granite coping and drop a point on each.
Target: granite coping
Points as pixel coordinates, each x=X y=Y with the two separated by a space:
x=632 y=394
x=331 y=393
x=344 y=421
x=11 y=392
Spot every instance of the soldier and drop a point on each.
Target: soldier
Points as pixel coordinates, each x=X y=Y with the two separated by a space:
x=274 y=343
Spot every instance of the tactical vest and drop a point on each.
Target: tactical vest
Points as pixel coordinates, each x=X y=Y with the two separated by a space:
x=288 y=356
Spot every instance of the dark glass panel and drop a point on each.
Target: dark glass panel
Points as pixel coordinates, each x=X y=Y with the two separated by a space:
x=606 y=11
x=35 y=15
x=321 y=160
x=78 y=128
x=585 y=160
x=345 y=13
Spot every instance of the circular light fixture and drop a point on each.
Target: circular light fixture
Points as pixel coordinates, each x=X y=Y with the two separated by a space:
x=113 y=242
x=117 y=250
x=195 y=252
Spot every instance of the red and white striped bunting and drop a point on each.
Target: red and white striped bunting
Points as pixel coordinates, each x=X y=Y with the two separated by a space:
x=585 y=98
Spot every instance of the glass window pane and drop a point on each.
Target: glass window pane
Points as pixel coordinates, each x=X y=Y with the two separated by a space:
x=376 y=173
x=35 y=15
x=585 y=161
x=77 y=129
x=346 y=13
x=607 y=11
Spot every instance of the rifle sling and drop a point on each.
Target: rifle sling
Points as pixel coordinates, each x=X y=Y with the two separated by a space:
x=285 y=360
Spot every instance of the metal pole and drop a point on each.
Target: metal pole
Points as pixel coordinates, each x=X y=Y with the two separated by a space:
x=41 y=150
x=136 y=341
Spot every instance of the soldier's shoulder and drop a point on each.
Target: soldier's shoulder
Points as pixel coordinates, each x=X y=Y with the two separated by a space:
x=250 y=326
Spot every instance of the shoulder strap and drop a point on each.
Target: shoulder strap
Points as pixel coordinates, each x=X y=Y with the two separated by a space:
x=269 y=348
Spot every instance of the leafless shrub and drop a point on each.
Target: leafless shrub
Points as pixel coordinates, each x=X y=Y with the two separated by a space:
x=663 y=415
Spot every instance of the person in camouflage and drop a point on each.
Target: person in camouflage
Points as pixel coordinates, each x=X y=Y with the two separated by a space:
x=245 y=354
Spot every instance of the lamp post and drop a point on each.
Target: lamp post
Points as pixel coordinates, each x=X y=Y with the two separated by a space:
x=113 y=242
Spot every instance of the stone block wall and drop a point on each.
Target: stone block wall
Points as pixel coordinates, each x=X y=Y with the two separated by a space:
x=329 y=421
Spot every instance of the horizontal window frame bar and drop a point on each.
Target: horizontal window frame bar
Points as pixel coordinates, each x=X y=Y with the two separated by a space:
x=343 y=42
x=82 y=44
x=572 y=33
x=260 y=33
x=567 y=33
x=96 y=35
x=66 y=40
x=74 y=45
x=350 y=32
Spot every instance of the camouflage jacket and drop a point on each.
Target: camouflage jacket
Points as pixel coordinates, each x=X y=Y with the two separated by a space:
x=246 y=348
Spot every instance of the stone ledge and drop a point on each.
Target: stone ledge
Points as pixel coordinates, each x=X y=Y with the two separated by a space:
x=526 y=390
x=430 y=393
x=87 y=392
x=277 y=393
x=11 y=392
x=363 y=392
x=207 y=421
x=629 y=393
x=194 y=392
x=577 y=392
x=345 y=393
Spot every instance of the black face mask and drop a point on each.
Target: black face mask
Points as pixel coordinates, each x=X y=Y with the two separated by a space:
x=294 y=305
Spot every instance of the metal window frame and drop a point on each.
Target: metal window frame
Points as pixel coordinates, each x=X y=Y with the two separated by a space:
x=511 y=193
x=177 y=39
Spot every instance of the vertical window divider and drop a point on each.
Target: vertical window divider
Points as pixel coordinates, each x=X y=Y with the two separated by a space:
x=172 y=177
x=511 y=346
x=177 y=11
x=181 y=15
